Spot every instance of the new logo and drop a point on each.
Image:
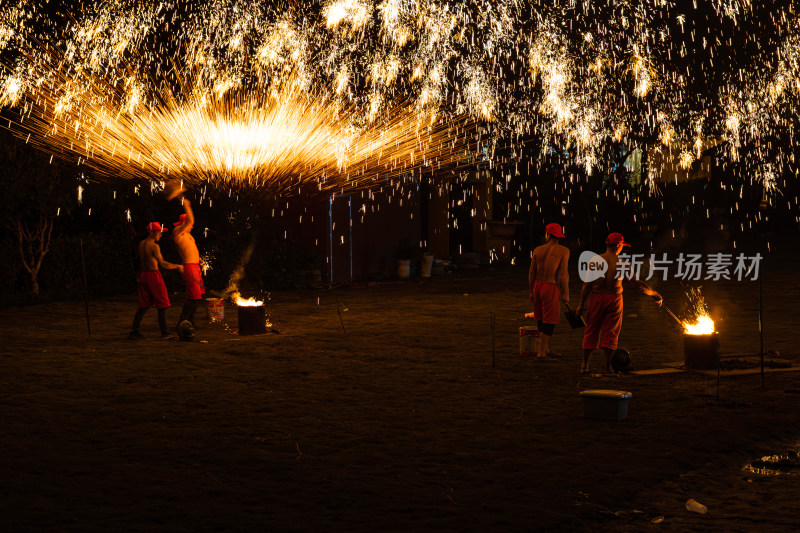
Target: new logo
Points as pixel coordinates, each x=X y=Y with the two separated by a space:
x=591 y=266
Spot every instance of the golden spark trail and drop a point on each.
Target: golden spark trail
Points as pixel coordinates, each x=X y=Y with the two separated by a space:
x=341 y=94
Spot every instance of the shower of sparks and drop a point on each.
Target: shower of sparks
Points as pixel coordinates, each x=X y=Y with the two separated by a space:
x=350 y=94
x=700 y=322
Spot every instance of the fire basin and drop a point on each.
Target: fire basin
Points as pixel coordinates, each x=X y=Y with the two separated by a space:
x=252 y=320
x=701 y=352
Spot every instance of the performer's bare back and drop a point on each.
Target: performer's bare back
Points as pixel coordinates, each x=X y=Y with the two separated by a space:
x=548 y=259
x=611 y=282
x=149 y=253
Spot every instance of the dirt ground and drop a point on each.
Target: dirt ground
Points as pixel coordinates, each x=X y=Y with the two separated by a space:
x=392 y=419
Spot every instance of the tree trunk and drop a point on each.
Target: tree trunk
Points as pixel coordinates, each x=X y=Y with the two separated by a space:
x=33 y=245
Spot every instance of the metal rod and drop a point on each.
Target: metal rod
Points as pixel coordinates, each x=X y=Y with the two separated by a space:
x=760 y=321
x=492 y=327
x=86 y=292
x=330 y=238
x=672 y=314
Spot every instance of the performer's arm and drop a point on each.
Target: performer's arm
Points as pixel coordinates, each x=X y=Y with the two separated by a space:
x=644 y=287
x=586 y=290
x=532 y=273
x=166 y=265
x=563 y=278
x=187 y=207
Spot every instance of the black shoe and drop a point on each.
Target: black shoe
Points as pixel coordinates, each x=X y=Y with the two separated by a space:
x=135 y=334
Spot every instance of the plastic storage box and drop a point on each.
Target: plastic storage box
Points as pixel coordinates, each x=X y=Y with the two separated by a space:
x=605 y=404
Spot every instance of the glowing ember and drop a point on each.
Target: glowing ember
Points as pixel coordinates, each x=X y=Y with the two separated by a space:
x=704 y=325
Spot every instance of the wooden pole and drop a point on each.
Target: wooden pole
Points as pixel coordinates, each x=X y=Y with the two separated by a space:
x=761 y=321
x=85 y=292
x=339 y=309
x=492 y=328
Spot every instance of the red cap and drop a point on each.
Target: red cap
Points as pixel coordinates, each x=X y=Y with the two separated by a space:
x=554 y=230
x=180 y=220
x=616 y=238
x=155 y=226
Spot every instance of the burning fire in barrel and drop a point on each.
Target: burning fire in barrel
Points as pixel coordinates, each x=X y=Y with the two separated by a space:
x=700 y=344
x=252 y=315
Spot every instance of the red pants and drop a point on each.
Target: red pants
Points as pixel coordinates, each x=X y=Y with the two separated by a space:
x=604 y=314
x=193 y=279
x=152 y=291
x=546 y=298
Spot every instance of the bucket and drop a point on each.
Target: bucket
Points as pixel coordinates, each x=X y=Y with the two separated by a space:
x=404 y=268
x=701 y=352
x=215 y=309
x=605 y=404
x=427 y=265
x=528 y=340
x=252 y=320
x=575 y=320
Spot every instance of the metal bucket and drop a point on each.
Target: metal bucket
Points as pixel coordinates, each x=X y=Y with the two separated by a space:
x=252 y=320
x=701 y=352
x=215 y=309
x=575 y=320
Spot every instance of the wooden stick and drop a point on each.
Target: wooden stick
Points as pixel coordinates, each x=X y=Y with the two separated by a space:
x=761 y=321
x=492 y=327
x=85 y=292
x=339 y=309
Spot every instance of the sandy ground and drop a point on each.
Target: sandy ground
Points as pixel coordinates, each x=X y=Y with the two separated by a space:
x=401 y=424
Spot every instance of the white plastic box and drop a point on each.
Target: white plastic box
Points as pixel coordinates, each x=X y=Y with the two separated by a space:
x=603 y=404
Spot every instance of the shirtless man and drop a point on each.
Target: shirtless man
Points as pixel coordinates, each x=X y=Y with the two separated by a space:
x=548 y=281
x=190 y=257
x=605 y=303
x=152 y=291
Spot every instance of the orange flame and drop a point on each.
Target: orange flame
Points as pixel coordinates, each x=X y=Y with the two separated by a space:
x=703 y=325
x=246 y=302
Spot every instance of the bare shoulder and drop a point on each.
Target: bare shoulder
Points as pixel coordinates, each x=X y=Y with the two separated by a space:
x=147 y=247
x=563 y=250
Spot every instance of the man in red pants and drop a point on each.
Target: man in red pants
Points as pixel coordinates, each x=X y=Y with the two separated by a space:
x=190 y=257
x=152 y=291
x=604 y=317
x=548 y=281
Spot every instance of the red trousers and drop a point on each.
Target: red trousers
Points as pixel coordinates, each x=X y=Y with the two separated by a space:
x=193 y=280
x=603 y=321
x=546 y=298
x=152 y=291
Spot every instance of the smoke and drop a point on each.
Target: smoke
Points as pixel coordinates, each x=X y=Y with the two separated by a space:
x=238 y=273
